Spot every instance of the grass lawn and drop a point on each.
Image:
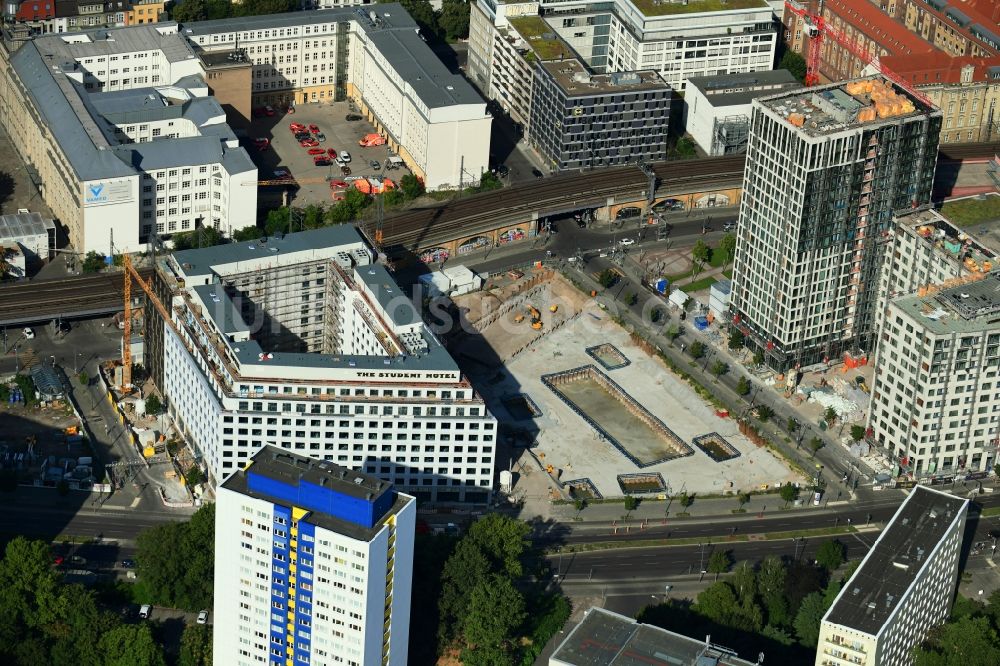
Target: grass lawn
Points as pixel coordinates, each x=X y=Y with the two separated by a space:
x=698 y=285
x=532 y=28
x=718 y=258
x=728 y=274
x=965 y=212
x=666 y=7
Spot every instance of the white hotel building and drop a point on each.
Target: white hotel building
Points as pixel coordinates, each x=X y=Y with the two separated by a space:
x=121 y=135
x=903 y=588
x=374 y=55
x=313 y=565
x=303 y=343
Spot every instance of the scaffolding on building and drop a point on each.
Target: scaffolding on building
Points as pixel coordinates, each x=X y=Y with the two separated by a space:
x=730 y=135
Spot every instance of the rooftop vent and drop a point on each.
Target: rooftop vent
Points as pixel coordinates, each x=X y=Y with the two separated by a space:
x=358 y=480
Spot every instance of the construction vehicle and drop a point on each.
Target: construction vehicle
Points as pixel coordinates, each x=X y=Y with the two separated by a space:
x=536 y=324
x=535 y=314
x=553 y=308
x=518 y=318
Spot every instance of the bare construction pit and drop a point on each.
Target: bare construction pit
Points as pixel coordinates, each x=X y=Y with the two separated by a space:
x=626 y=424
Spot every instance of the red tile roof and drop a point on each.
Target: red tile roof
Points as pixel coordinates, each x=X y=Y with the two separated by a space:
x=931 y=68
x=868 y=19
x=984 y=12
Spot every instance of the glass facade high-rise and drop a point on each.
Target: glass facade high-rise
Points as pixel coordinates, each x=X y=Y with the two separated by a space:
x=826 y=169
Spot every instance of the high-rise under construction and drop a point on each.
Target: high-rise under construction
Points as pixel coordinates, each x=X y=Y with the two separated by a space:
x=826 y=169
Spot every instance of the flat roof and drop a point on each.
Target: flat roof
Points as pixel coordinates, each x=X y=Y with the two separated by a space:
x=976 y=299
x=200 y=262
x=870 y=102
x=740 y=89
x=387 y=293
x=541 y=37
x=576 y=80
x=291 y=468
x=19 y=225
x=971 y=307
x=885 y=576
x=387 y=26
x=668 y=7
x=946 y=238
x=604 y=638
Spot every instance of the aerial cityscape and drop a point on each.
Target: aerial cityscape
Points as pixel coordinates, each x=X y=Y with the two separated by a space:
x=494 y=333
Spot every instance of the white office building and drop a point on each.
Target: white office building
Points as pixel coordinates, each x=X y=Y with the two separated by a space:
x=122 y=137
x=303 y=343
x=826 y=168
x=717 y=108
x=313 y=565
x=375 y=56
x=903 y=588
x=677 y=38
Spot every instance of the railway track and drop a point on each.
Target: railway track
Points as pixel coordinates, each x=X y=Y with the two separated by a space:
x=27 y=302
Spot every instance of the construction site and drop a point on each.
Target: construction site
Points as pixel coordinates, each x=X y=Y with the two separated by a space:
x=607 y=419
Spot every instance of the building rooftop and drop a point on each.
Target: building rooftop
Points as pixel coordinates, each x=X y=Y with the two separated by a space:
x=883 y=580
x=541 y=38
x=604 y=638
x=869 y=20
x=837 y=107
x=19 y=225
x=387 y=26
x=667 y=7
x=740 y=89
x=975 y=300
x=190 y=151
x=338 y=498
x=968 y=304
x=576 y=80
x=975 y=19
x=948 y=240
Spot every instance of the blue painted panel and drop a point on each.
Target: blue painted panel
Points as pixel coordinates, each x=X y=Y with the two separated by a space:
x=313 y=497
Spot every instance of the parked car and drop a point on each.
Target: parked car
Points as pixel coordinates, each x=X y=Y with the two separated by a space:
x=145 y=611
x=262 y=143
x=537 y=174
x=668 y=204
x=316 y=151
x=322 y=161
x=320 y=137
x=203 y=617
x=29 y=334
x=729 y=226
x=297 y=127
x=345 y=170
x=303 y=136
x=332 y=152
x=337 y=183
x=375 y=165
x=352 y=117
x=502 y=171
x=64 y=326
x=627 y=212
x=308 y=143
x=345 y=156
x=313 y=128
x=128 y=564
x=268 y=111
x=625 y=242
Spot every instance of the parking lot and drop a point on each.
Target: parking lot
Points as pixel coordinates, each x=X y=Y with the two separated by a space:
x=285 y=151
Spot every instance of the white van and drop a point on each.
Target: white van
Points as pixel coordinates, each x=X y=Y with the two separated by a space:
x=145 y=611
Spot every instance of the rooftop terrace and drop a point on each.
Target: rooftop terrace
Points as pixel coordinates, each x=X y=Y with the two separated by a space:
x=542 y=39
x=668 y=7
x=947 y=239
x=884 y=578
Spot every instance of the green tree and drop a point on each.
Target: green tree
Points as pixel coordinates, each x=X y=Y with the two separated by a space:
x=736 y=339
x=808 y=618
x=815 y=444
x=194 y=476
x=496 y=610
x=742 y=499
x=312 y=216
x=453 y=19
x=27 y=388
x=579 y=504
x=830 y=416
x=200 y=237
x=488 y=182
x=672 y=332
x=764 y=413
x=719 y=368
x=970 y=641
x=685 y=500
x=758 y=357
x=831 y=554
x=727 y=248
x=253 y=232
x=341 y=213
x=771 y=587
x=607 y=278
x=196 y=645
x=176 y=561
x=719 y=562
x=153 y=405
x=744 y=583
x=83 y=378
x=789 y=493
x=684 y=147
x=188 y=11
x=130 y=645
x=794 y=63
x=857 y=432
x=504 y=540
x=466 y=567
x=743 y=386
x=791 y=425
x=631 y=502
x=92 y=262
x=411 y=186
x=697 y=349
x=276 y=220
x=718 y=603
x=701 y=253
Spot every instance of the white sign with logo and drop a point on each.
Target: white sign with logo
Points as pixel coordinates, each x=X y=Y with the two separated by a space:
x=102 y=192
